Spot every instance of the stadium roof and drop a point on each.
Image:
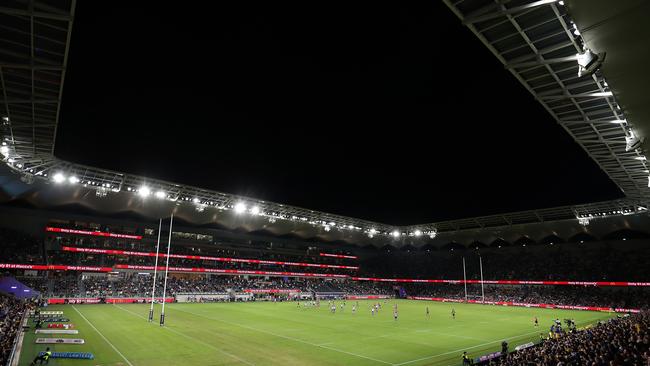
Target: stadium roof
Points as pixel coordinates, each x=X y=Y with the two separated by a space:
x=536 y=41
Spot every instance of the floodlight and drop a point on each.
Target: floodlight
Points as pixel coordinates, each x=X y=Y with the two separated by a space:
x=395 y=233
x=195 y=200
x=588 y=62
x=4 y=150
x=58 y=178
x=255 y=210
x=240 y=207
x=327 y=228
x=632 y=141
x=160 y=194
x=144 y=191
x=417 y=233
x=73 y=180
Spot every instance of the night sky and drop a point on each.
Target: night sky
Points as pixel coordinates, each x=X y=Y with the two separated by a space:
x=394 y=113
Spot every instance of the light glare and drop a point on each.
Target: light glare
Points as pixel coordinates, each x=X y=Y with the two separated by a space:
x=240 y=207
x=58 y=178
x=144 y=191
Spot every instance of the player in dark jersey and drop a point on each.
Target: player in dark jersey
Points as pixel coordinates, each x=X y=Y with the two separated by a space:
x=427 y=312
x=536 y=322
x=453 y=314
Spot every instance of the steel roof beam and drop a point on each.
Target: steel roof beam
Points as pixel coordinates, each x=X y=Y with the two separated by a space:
x=502 y=12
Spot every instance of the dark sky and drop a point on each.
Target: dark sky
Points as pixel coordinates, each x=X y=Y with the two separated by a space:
x=394 y=113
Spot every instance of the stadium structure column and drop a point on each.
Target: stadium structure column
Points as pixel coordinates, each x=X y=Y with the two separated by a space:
x=169 y=244
x=465 y=279
x=155 y=272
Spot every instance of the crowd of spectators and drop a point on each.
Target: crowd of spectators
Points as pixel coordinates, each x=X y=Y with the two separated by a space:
x=619 y=341
x=224 y=251
x=588 y=261
x=626 y=297
x=17 y=247
x=11 y=311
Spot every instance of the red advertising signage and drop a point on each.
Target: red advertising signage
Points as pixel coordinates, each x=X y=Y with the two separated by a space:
x=92 y=233
x=231 y=271
x=507 y=282
x=544 y=306
x=135 y=300
x=43 y=267
x=109 y=300
x=271 y=291
x=367 y=297
x=338 y=256
x=74 y=300
x=201 y=257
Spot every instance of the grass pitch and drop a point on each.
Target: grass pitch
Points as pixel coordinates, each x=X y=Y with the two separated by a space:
x=266 y=333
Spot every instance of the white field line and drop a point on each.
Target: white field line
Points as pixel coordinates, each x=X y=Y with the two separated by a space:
x=287 y=337
x=477 y=346
x=101 y=335
x=192 y=338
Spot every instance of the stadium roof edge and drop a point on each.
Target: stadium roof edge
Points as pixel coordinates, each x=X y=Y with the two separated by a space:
x=539 y=44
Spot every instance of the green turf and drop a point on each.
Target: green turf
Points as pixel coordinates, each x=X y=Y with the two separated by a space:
x=281 y=334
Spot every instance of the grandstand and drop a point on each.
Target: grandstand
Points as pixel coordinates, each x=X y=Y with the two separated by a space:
x=87 y=253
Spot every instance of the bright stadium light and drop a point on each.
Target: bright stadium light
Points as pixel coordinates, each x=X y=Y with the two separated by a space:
x=195 y=200
x=327 y=228
x=418 y=233
x=144 y=191
x=160 y=194
x=240 y=208
x=395 y=234
x=255 y=210
x=4 y=150
x=73 y=180
x=589 y=62
x=58 y=178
